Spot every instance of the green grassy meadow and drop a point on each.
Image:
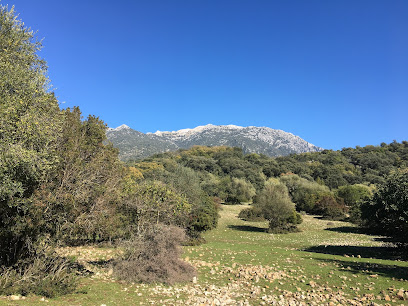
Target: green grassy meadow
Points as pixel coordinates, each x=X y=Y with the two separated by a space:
x=327 y=263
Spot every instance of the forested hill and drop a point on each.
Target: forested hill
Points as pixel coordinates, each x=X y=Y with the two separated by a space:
x=366 y=165
x=361 y=165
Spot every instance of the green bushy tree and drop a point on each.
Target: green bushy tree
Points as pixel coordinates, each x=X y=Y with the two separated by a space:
x=83 y=192
x=354 y=194
x=304 y=193
x=239 y=190
x=277 y=207
x=387 y=212
x=29 y=127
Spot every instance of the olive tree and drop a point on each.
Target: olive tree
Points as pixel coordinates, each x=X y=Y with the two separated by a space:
x=29 y=127
x=387 y=212
x=277 y=207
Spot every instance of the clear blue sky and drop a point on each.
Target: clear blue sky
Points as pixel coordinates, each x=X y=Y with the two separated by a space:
x=333 y=72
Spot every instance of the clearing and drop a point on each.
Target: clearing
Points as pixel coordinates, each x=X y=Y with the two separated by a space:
x=328 y=263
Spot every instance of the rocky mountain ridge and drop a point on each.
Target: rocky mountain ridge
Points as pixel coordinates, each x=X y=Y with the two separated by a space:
x=133 y=144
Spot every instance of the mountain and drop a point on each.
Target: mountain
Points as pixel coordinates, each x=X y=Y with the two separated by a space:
x=262 y=140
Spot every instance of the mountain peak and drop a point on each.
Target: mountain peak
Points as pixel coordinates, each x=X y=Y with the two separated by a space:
x=262 y=140
x=121 y=127
x=197 y=129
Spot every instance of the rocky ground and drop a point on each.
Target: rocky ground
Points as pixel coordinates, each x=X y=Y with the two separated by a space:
x=241 y=264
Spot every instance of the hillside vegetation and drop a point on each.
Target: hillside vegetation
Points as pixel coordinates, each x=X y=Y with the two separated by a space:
x=241 y=264
x=334 y=184
x=77 y=222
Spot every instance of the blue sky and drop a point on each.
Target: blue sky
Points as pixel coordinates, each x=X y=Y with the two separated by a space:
x=333 y=72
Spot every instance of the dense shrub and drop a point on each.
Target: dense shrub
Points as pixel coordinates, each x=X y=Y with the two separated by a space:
x=387 y=212
x=253 y=214
x=199 y=211
x=304 y=193
x=203 y=217
x=330 y=208
x=239 y=190
x=43 y=273
x=277 y=207
x=154 y=256
x=354 y=194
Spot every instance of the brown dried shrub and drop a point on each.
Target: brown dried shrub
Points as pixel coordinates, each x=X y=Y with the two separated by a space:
x=43 y=273
x=154 y=256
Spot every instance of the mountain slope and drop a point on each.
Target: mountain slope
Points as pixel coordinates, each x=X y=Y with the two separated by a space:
x=262 y=140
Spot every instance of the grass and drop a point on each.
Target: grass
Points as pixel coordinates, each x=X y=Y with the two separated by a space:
x=327 y=262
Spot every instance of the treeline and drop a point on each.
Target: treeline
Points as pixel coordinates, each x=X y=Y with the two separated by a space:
x=361 y=165
x=61 y=184
x=334 y=184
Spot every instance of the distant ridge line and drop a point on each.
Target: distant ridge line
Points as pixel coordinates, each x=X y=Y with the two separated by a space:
x=133 y=144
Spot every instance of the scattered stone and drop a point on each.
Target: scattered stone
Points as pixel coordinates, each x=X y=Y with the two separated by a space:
x=400 y=294
x=312 y=284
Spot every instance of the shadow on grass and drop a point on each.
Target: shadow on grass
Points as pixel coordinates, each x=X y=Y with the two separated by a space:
x=345 y=229
x=248 y=228
x=389 y=253
x=101 y=263
x=370 y=268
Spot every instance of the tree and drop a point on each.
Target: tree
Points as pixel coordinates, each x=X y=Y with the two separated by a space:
x=154 y=203
x=304 y=193
x=354 y=194
x=387 y=212
x=277 y=208
x=239 y=190
x=29 y=127
x=82 y=194
x=30 y=123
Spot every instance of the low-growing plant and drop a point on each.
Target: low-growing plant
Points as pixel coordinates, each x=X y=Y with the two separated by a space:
x=253 y=214
x=154 y=256
x=45 y=273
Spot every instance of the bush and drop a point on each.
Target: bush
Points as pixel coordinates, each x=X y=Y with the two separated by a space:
x=304 y=193
x=387 y=212
x=354 y=194
x=277 y=208
x=44 y=273
x=154 y=256
x=253 y=214
x=239 y=190
x=331 y=209
x=203 y=217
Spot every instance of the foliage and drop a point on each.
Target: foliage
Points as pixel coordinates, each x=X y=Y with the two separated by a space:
x=304 y=193
x=354 y=194
x=277 y=207
x=349 y=166
x=330 y=208
x=153 y=203
x=43 y=273
x=154 y=256
x=239 y=190
x=82 y=195
x=29 y=126
x=253 y=214
x=387 y=212
x=186 y=182
x=203 y=217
